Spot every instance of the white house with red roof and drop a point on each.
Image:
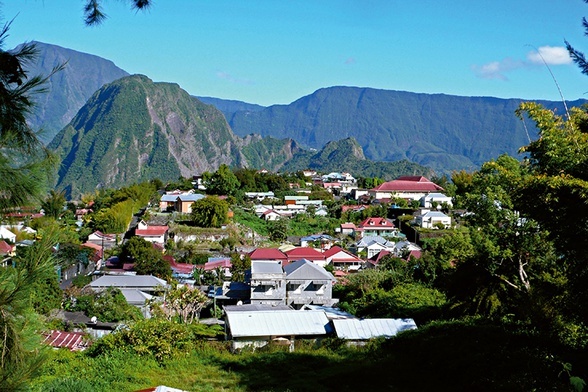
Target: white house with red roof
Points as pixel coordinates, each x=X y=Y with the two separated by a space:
x=377 y=226
x=343 y=259
x=155 y=234
x=405 y=187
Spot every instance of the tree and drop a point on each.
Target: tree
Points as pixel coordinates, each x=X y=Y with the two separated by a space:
x=147 y=259
x=185 y=303
x=221 y=182
x=240 y=264
x=53 y=204
x=20 y=358
x=25 y=164
x=278 y=230
x=210 y=212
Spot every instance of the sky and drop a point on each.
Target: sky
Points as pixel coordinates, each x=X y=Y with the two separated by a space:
x=276 y=51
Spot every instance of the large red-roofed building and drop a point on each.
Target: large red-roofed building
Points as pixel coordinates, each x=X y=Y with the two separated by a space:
x=405 y=187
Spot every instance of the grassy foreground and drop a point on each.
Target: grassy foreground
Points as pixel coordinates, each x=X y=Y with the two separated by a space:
x=444 y=356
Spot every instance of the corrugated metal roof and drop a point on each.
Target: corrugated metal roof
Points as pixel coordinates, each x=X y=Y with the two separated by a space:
x=73 y=341
x=146 y=281
x=355 y=329
x=277 y=323
x=266 y=267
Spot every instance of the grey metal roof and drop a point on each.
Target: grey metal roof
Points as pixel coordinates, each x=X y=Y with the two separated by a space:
x=306 y=270
x=255 y=308
x=356 y=329
x=266 y=267
x=191 y=197
x=135 y=296
x=277 y=323
x=128 y=281
x=169 y=198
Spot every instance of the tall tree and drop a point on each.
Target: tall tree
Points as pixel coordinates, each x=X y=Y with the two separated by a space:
x=221 y=182
x=210 y=212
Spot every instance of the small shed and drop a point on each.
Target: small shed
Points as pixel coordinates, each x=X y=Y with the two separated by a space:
x=359 y=331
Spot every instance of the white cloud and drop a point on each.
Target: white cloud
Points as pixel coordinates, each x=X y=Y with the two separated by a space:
x=552 y=55
x=496 y=69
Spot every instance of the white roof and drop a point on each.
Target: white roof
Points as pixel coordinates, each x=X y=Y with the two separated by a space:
x=135 y=296
x=435 y=214
x=277 y=323
x=356 y=329
x=266 y=267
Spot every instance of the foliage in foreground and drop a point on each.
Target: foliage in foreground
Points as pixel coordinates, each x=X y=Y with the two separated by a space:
x=470 y=354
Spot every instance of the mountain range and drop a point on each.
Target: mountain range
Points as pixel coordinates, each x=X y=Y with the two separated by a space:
x=133 y=129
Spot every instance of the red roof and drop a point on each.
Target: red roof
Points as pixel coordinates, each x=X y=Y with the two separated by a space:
x=267 y=254
x=375 y=260
x=408 y=184
x=304 y=253
x=348 y=226
x=5 y=248
x=224 y=263
x=71 y=340
x=377 y=223
x=96 y=247
x=352 y=207
x=152 y=231
x=181 y=268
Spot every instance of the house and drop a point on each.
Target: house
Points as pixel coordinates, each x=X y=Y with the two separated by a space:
x=376 y=226
x=406 y=249
x=268 y=254
x=342 y=259
x=432 y=219
x=347 y=228
x=259 y=196
x=436 y=198
x=272 y=215
x=308 y=254
x=324 y=241
x=167 y=202
x=405 y=187
x=154 y=234
x=184 y=202
x=138 y=290
x=360 y=331
x=267 y=281
x=6 y=249
x=256 y=328
x=6 y=234
x=373 y=245
x=308 y=283
x=108 y=241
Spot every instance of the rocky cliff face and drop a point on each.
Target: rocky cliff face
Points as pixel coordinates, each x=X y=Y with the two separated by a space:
x=134 y=130
x=70 y=88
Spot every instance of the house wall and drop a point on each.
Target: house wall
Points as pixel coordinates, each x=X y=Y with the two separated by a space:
x=317 y=292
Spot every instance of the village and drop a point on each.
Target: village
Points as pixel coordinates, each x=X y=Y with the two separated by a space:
x=283 y=291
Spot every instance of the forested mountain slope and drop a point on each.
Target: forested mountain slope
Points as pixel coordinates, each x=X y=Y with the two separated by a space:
x=441 y=131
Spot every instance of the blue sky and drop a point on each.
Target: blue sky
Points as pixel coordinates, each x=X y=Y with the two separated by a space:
x=276 y=51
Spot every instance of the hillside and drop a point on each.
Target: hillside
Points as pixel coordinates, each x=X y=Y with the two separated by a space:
x=134 y=130
x=70 y=88
x=440 y=131
x=347 y=155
